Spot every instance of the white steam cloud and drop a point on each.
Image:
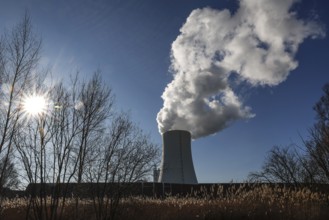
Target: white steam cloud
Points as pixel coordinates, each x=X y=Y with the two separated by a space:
x=257 y=44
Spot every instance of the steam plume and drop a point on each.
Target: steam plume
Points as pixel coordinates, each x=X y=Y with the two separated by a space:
x=257 y=44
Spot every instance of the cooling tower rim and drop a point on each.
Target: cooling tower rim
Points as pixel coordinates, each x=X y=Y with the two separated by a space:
x=176 y=131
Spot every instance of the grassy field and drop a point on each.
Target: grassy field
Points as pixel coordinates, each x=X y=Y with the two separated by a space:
x=261 y=202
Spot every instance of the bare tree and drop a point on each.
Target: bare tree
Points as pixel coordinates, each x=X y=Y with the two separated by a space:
x=317 y=145
x=282 y=165
x=96 y=106
x=125 y=155
x=19 y=55
x=54 y=146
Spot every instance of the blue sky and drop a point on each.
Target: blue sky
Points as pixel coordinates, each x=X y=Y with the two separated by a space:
x=130 y=42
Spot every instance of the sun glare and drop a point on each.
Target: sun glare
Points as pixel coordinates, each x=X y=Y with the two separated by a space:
x=35 y=105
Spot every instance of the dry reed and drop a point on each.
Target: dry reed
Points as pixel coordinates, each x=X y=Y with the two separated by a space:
x=261 y=202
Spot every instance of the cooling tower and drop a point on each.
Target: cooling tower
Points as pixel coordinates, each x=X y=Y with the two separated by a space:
x=177 y=165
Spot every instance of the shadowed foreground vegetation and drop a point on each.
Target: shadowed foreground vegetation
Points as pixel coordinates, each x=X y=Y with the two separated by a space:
x=245 y=202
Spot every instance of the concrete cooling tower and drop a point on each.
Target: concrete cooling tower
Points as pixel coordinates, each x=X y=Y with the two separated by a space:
x=177 y=164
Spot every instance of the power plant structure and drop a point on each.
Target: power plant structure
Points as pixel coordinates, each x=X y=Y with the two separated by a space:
x=177 y=164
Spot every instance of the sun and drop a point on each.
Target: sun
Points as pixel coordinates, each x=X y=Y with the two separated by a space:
x=35 y=105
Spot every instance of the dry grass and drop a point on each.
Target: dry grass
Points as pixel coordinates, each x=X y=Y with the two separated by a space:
x=262 y=202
